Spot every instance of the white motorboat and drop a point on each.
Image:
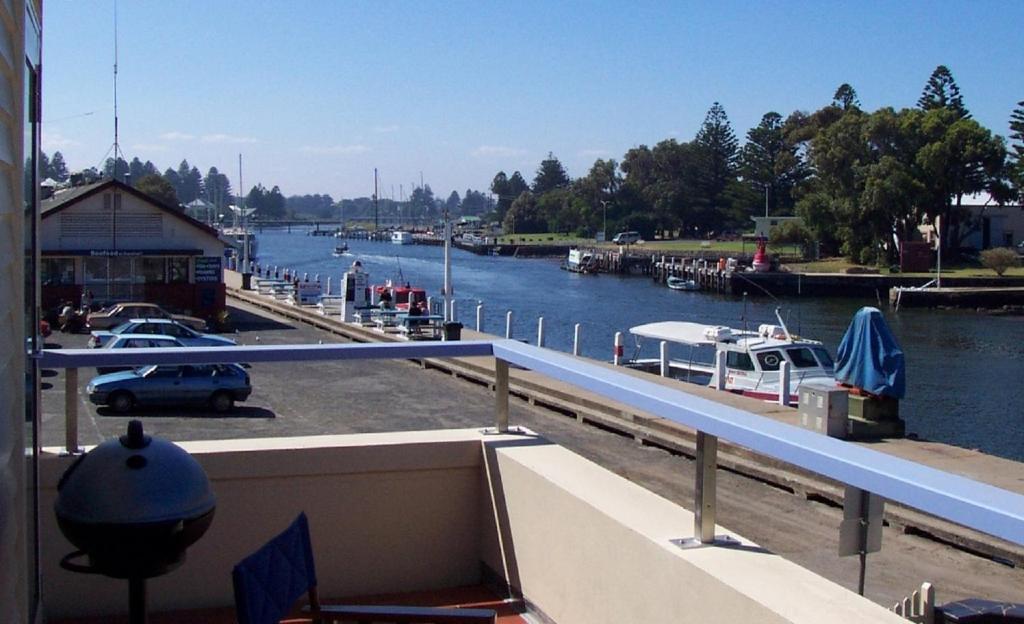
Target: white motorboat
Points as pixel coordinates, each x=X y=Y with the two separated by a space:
x=580 y=261
x=753 y=359
x=680 y=283
x=341 y=250
x=401 y=237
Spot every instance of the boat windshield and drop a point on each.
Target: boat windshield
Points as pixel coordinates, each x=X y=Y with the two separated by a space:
x=824 y=357
x=802 y=357
x=738 y=360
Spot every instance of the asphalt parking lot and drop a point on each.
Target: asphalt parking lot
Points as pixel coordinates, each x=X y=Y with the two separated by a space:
x=287 y=399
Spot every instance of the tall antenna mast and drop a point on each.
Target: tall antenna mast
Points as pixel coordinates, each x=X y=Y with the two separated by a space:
x=117 y=145
x=376 y=222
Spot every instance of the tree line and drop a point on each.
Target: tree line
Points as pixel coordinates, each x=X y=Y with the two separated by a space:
x=186 y=184
x=861 y=181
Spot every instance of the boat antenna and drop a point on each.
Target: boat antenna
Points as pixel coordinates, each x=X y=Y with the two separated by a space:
x=778 y=315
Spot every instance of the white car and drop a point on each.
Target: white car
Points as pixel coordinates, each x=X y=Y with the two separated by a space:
x=626 y=238
x=136 y=341
x=165 y=327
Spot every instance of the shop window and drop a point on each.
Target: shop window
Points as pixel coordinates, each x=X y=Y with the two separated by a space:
x=57 y=271
x=150 y=270
x=177 y=270
x=95 y=270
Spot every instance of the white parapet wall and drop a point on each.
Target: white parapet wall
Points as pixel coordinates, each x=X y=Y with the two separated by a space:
x=585 y=545
x=413 y=511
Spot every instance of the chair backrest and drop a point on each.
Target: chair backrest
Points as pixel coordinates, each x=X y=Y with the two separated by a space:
x=270 y=581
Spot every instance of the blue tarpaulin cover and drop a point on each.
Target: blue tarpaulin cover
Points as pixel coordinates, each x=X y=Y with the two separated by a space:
x=869 y=357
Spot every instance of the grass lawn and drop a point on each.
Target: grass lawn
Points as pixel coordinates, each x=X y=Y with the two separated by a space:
x=839 y=265
x=659 y=246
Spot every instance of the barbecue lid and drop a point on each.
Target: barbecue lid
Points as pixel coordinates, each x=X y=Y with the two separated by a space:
x=134 y=479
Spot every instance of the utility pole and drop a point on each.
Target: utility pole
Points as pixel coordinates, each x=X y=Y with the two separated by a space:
x=376 y=217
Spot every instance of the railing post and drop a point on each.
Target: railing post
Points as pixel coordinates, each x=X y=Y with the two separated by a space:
x=576 y=339
x=508 y=324
x=501 y=395
x=704 y=488
x=479 y=317
x=721 y=372
x=784 y=383
x=71 y=410
x=430 y=305
x=540 y=331
x=664 y=358
x=617 y=353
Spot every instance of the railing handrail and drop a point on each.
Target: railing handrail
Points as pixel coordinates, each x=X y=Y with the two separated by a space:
x=970 y=503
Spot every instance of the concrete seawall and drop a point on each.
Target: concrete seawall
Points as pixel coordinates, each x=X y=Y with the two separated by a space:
x=650 y=430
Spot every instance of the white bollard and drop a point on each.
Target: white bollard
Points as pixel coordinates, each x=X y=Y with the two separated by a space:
x=305 y=277
x=508 y=324
x=328 y=285
x=479 y=317
x=664 y=358
x=430 y=305
x=617 y=353
x=784 y=383
x=451 y=312
x=540 y=331
x=721 y=372
x=373 y=296
x=576 y=339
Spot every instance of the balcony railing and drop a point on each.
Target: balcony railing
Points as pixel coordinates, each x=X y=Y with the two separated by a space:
x=970 y=503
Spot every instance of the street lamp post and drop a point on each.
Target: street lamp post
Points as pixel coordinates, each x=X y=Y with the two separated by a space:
x=604 y=224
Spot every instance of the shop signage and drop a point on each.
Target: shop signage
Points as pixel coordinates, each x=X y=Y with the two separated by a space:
x=208 y=269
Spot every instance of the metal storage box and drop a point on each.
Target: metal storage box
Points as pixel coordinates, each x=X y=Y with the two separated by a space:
x=824 y=409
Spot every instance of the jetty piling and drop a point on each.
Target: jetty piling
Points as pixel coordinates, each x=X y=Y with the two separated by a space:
x=480 y=317
x=618 y=350
x=540 y=331
x=508 y=324
x=576 y=339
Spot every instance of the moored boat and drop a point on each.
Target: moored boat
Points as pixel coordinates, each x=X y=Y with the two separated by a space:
x=753 y=359
x=580 y=261
x=680 y=283
x=401 y=237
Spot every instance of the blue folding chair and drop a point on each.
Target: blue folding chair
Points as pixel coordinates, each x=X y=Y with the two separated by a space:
x=270 y=581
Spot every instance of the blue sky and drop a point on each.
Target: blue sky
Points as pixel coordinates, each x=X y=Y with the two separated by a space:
x=314 y=95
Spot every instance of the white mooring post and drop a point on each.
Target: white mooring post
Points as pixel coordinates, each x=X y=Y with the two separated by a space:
x=479 y=317
x=617 y=357
x=328 y=285
x=540 y=331
x=664 y=358
x=784 y=383
x=576 y=339
x=451 y=311
x=508 y=324
x=430 y=305
x=720 y=370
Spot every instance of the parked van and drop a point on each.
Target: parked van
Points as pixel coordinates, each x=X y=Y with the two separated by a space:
x=626 y=238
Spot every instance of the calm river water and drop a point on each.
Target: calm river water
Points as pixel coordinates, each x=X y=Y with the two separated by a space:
x=965 y=371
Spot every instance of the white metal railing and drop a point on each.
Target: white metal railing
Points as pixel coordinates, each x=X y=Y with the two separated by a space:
x=970 y=503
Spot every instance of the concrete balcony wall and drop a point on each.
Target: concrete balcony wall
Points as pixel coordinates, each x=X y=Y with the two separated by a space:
x=387 y=513
x=585 y=545
x=412 y=511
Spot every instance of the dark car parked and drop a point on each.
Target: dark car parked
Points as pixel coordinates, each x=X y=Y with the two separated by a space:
x=217 y=386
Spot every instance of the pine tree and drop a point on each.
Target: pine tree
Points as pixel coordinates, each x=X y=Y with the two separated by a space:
x=846 y=97
x=716 y=168
x=58 y=168
x=550 y=175
x=941 y=91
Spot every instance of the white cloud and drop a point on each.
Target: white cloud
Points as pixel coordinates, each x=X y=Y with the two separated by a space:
x=386 y=129
x=334 y=149
x=56 y=141
x=227 y=138
x=149 y=147
x=593 y=153
x=498 y=150
x=177 y=136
